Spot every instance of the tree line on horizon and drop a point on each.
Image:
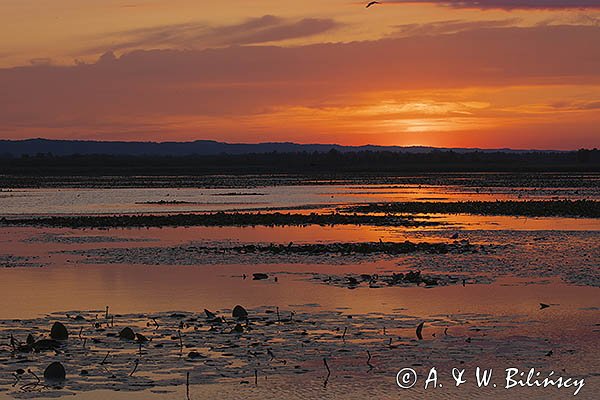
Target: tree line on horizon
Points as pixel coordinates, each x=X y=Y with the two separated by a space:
x=334 y=161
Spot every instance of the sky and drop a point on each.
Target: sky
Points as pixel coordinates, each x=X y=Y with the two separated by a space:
x=447 y=73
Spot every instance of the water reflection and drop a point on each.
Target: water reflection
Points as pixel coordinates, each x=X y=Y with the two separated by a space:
x=132 y=288
x=168 y=200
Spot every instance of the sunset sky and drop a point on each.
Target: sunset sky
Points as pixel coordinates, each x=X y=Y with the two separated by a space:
x=486 y=73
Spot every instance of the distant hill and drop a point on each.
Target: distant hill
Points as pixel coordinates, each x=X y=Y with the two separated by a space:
x=38 y=157
x=198 y=147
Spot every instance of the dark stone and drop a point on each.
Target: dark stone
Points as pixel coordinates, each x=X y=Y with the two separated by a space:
x=59 y=332
x=239 y=312
x=55 y=372
x=127 y=334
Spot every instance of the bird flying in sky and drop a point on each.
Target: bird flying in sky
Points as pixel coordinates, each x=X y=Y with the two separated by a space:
x=372 y=3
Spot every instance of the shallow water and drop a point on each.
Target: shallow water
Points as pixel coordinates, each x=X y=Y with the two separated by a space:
x=138 y=273
x=57 y=201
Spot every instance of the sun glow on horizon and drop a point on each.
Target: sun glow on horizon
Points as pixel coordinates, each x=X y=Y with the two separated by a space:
x=310 y=72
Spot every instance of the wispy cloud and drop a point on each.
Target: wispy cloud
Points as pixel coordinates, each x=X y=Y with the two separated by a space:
x=577 y=106
x=265 y=29
x=450 y=26
x=511 y=4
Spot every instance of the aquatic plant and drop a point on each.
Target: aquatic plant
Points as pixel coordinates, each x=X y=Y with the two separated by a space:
x=527 y=208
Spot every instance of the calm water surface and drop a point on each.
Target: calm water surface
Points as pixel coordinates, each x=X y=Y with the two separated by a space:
x=42 y=276
x=144 y=200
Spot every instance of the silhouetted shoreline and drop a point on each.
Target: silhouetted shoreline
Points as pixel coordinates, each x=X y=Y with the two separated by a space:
x=315 y=164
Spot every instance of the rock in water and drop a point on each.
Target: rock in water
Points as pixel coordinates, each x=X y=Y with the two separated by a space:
x=59 y=332
x=260 y=276
x=239 y=312
x=127 y=334
x=55 y=372
x=209 y=314
x=238 y=329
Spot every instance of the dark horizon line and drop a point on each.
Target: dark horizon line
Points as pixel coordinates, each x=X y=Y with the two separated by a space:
x=337 y=146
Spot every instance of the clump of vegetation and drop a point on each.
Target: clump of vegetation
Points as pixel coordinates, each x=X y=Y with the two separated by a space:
x=387 y=248
x=215 y=219
x=531 y=208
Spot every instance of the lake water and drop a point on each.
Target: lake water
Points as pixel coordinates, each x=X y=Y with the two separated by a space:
x=492 y=318
x=60 y=201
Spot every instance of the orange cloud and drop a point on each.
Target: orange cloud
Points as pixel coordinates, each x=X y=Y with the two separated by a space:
x=488 y=84
x=510 y=4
